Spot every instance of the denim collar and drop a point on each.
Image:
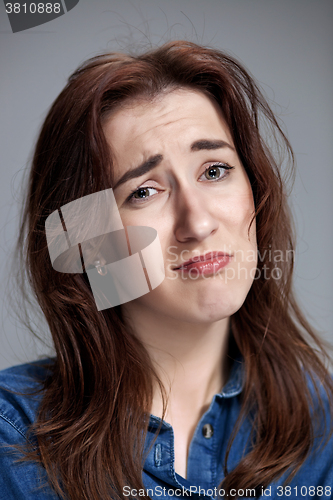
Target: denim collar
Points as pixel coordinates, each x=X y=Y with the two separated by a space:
x=164 y=468
x=232 y=388
x=236 y=380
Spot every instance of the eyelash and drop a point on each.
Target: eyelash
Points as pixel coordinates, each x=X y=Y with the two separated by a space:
x=225 y=166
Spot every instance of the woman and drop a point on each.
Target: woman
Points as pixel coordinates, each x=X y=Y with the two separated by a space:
x=207 y=384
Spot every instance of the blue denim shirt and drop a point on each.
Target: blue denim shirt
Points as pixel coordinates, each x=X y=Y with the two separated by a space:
x=27 y=481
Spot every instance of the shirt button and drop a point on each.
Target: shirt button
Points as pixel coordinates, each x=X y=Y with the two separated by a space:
x=207 y=431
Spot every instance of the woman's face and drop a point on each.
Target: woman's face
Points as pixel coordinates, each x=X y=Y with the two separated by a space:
x=193 y=189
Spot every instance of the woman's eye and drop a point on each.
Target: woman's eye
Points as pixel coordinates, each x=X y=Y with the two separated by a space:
x=142 y=193
x=217 y=171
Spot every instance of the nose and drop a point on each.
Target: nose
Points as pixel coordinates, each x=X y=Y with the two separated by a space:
x=195 y=217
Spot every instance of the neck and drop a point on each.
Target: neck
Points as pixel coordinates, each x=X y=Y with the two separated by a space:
x=190 y=360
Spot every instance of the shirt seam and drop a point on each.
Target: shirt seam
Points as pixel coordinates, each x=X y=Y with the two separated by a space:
x=12 y=424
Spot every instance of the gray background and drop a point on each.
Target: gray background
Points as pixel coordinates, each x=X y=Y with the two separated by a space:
x=286 y=45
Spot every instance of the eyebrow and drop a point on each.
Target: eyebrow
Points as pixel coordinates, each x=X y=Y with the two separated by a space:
x=153 y=161
x=210 y=145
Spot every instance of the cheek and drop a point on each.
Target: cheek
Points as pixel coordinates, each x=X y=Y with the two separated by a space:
x=130 y=218
x=237 y=211
x=237 y=214
x=161 y=224
x=137 y=218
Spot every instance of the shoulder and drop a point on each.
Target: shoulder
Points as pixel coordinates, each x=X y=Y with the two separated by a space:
x=20 y=395
x=316 y=474
x=321 y=398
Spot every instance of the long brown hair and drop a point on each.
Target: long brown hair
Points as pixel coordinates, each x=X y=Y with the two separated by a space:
x=96 y=403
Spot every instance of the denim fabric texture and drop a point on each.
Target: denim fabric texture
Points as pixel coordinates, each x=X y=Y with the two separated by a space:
x=28 y=481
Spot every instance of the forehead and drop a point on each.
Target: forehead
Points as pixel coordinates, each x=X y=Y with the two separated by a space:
x=175 y=119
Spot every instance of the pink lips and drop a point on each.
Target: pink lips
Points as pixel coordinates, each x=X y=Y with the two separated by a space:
x=209 y=263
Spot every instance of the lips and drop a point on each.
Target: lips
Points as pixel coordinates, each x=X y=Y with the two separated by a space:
x=208 y=263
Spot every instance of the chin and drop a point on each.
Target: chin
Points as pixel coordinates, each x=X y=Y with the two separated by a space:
x=211 y=313
x=189 y=309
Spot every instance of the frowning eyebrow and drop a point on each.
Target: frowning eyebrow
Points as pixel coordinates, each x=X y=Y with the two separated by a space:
x=142 y=169
x=208 y=144
x=155 y=160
